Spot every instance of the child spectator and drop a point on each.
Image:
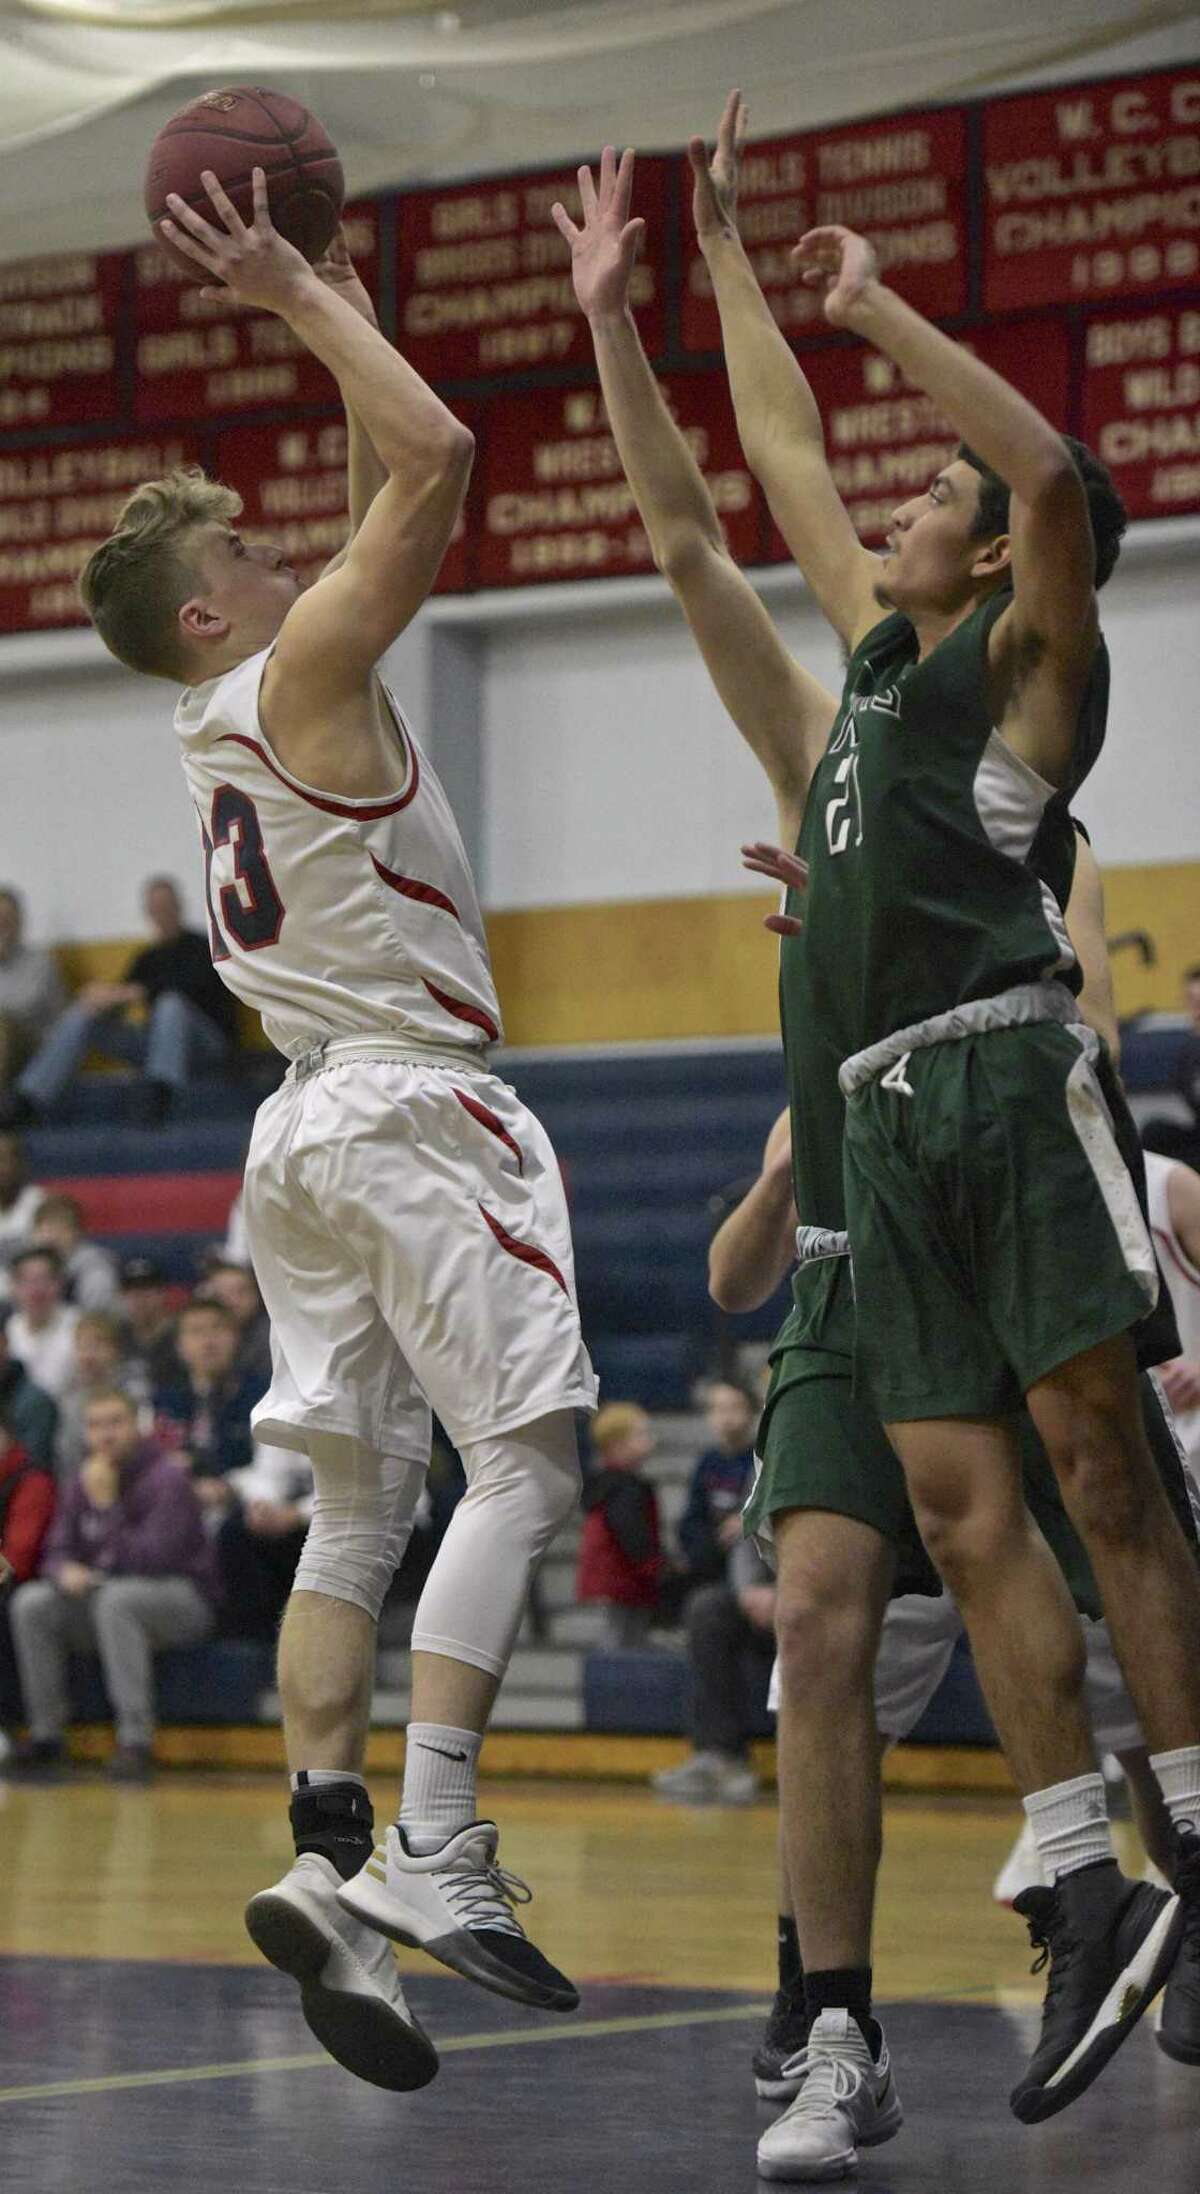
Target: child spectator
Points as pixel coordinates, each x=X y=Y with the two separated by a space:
x=236 y=1287
x=27 y=1496
x=619 y=1559
x=31 y=1415
x=99 y=1364
x=206 y=1413
x=41 y=1329
x=128 y=1570
x=89 y=1272
x=711 y=1523
x=150 y=1352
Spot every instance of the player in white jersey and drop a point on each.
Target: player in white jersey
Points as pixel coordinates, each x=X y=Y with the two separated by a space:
x=1173 y=1191
x=404 y=1212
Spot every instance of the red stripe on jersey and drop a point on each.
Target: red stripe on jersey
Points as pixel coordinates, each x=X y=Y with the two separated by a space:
x=525 y=1252
x=428 y=894
x=488 y=1120
x=356 y=811
x=462 y=1011
x=1166 y=1243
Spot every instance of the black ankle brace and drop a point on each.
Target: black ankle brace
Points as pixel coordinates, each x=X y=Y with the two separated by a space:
x=337 y=1820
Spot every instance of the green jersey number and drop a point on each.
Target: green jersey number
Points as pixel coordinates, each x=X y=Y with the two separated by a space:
x=843 y=809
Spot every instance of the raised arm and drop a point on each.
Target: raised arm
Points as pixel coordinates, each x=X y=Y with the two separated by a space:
x=777 y=416
x=783 y=713
x=1041 y=647
x=754 y=1247
x=365 y=471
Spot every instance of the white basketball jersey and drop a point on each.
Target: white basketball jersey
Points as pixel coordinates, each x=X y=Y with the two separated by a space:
x=332 y=917
x=1183 y=1283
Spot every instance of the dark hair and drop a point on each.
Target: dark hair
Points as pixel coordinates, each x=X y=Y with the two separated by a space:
x=1105 y=509
x=43 y=1250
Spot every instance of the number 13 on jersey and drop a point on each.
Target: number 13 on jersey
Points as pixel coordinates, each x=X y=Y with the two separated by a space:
x=251 y=909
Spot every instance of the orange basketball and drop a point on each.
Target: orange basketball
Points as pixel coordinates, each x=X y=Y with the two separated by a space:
x=232 y=133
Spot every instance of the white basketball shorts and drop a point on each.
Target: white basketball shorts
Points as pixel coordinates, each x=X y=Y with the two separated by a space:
x=409 y=1232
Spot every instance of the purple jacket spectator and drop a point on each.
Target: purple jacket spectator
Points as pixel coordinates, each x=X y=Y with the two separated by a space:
x=155 y=1527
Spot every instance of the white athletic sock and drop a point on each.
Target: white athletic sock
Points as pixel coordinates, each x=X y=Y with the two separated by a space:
x=316 y=1778
x=1070 y=1822
x=1179 y=1781
x=439 y=1783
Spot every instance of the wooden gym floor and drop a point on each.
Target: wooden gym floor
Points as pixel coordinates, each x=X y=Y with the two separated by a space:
x=143 y=2045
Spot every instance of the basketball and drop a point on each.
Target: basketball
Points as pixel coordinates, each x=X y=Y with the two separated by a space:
x=232 y=132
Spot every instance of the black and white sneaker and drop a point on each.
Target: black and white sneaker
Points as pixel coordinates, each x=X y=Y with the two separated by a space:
x=1098 y=1987
x=1178 y=2031
x=457 y=1904
x=783 y=2037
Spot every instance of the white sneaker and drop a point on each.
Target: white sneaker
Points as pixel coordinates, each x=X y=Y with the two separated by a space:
x=1022 y=1869
x=456 y=1903
x=708 y=1778
x=845 y=2102
x=350 y=1990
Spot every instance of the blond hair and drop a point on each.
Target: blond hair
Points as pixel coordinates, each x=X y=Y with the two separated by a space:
x=135 y=583
x=616 y=1423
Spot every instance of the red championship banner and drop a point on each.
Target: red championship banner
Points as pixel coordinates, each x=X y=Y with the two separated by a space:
x=901 y=182
x=485 y=278
x=1092 y=192
x=292 y=481
x=56 y=506
x=556 y=504
x=1141 y=406
x=885 y=440
x=58 y=349
x=198 y=359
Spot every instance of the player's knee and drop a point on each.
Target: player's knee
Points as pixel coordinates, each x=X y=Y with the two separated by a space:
x=530 y=1478
x=964 y=1541
x=826 y=1640
x=361 y=1521
x=1107 y=1484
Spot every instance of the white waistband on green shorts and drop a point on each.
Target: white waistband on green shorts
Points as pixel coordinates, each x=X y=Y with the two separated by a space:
x=1021 y=1007
x=395 y=1050
x=815 y=1243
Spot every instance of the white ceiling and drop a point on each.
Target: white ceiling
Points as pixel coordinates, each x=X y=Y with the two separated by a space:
x=409 y=92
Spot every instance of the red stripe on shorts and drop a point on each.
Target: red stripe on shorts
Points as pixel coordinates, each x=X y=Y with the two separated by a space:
x=491 y=1123
x=526 y=1252
x=462 y=1011
x=409 y=888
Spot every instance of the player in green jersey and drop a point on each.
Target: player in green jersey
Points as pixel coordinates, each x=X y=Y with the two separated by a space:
x=998 y=1247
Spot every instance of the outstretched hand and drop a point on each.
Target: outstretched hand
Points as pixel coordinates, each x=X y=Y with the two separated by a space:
x=605 y=249
x=841 y=264
x=715 y=191
x=254 y=262
x=763 y=859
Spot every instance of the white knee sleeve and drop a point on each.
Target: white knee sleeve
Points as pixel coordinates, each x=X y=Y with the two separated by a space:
x=521 y=1490
x=361 y=1522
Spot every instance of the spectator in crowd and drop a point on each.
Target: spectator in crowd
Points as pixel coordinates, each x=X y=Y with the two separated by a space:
x=151 y=1357
x=89 y=1271
x=731 y=1645
x=259 y=1541
x=236 y=1287
x=619 y=1558
x=20 y=1202
x=31 y=991
x=711 y=1523
x=41 y=1326
x=99 y=1366
x=128 y=1569
x=189 y=1016
x=206 y=1413
x=31 y=1415
x=27 y=1496
x=1175 y=1137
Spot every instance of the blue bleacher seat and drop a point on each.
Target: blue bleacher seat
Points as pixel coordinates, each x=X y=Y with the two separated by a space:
x=221 y=1681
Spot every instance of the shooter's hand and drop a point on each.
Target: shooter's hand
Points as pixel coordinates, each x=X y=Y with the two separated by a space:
x=782 y=868
x=339 y=273
x=604 y=250
x=841 y=264
x=254 y=263
x=715 y=186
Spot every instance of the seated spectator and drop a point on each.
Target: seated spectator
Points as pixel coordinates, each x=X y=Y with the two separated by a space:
x=260 y=1541
x=619 y=1559
x=711 y=1523
x=20 y=1202
x=151 y=1357
x=128 y=1569
x=89 y=1272
x=99 y=1367
x=206 y=1413
x=31 y=1415
x=237 y=1288
x=31 y=991
x=27 y=1496
x=189 y=1017
x=41 y=1326
x=731 y=1645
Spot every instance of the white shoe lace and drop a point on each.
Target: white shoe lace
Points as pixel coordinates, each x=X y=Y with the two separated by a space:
x=483 y=1896
x=828 y=2083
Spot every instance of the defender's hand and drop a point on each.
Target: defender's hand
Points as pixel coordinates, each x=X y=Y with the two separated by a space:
x=339 y=273
x=255 y=263
x=715 y=186
x=840 y=263
x=604 y=250
x=782 y=868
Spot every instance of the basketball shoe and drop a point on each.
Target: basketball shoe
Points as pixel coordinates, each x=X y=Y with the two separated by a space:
x=1106 y=1966
x=350 y=1990
x=1178 y=2029
x=457 y=1904
x=845 y=2100
x=783 y=2037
